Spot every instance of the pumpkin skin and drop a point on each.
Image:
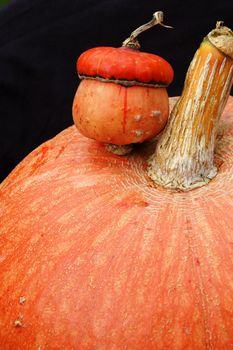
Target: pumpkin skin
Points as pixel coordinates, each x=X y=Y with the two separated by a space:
x=93 y=256
x=126 y=118
x=122 y=98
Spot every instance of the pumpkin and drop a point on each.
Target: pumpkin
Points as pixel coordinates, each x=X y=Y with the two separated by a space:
x=95 y=255
x=122 y=98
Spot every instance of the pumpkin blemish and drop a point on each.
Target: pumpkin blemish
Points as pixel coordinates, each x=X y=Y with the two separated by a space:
x=41 y=158
x=22 y=300
x=18 y=323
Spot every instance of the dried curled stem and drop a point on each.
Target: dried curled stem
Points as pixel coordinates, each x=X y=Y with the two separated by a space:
x=132 y=40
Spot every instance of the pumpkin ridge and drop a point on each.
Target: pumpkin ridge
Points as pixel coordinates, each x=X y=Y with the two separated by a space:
x=197 y=268
x=102 y=59
x=212 y=243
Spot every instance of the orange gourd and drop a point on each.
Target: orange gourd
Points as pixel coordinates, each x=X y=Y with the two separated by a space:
x=95 y=255
x=122 y=98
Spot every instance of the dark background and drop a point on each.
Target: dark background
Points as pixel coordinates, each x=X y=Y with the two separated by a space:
x=40 y=41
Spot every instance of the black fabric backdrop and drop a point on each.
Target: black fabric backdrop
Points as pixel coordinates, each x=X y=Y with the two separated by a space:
x=40 y=41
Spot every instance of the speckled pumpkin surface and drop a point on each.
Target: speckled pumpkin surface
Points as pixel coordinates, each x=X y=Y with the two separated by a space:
x=94 y=256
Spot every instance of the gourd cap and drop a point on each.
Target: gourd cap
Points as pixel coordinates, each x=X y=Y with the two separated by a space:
x=124 y=66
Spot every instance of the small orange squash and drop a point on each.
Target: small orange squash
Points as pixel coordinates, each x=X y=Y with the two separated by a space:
x=122 y=98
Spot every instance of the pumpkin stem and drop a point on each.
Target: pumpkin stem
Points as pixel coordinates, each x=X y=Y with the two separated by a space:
x=132 y=41
x=184 y=156
x=120 y=150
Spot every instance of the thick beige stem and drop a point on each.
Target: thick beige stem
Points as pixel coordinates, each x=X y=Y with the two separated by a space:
x=184 y=157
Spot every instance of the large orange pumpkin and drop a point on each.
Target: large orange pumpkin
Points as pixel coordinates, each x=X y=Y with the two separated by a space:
x=94 y=257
